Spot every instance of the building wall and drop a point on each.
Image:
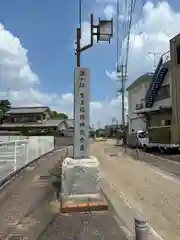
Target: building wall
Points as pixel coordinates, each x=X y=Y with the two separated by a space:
x=175 y=87
x=32 y=117
x=24 y=118
x=160 y=119
x=137 y=123
x=136 y=95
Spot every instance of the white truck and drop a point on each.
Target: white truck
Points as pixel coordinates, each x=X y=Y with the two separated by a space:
x=135 y=139
x=147 y=145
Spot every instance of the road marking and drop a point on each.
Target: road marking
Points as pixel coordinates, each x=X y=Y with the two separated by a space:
x=162 y=158
x=167 y=176
x=121 y=194
x=154 y=233
x=126 y=231
x=151 y=230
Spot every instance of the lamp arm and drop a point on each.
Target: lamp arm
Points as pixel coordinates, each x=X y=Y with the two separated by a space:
x=92 y=34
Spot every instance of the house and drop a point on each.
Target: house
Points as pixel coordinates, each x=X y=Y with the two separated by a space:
x=151 y=103
x=34 y=119
x=28 y=114
x=69 y=127
x=111 y=130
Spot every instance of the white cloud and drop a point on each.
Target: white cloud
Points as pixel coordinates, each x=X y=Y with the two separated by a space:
x=96 y=105
x=158 y=25
x=14 y=66
x=107 y=110
x=112 y=75
x=109 y=11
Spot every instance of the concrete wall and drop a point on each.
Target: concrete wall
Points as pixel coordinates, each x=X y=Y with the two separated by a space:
x=63 y=141
x=137 y=124
x=157 y=119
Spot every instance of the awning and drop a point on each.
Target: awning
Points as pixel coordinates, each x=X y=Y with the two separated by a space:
x=151 y=110
x=146 y=110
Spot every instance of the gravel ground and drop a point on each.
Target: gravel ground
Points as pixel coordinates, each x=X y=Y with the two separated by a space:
x=148 y=191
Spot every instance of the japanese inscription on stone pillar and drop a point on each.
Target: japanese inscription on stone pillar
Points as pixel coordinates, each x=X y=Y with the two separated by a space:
x=81 y=112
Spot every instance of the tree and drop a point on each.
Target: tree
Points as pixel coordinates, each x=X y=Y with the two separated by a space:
x=5 y=106
x=55 y=114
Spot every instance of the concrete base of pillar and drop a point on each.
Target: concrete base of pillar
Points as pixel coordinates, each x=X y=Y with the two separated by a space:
x=81 y=185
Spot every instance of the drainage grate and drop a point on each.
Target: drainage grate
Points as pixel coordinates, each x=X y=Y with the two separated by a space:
x=44 y=177
x=113 y=155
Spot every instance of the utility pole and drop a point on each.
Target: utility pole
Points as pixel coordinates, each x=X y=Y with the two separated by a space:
x=121 y=71
x=123 y=80
x=154 y=54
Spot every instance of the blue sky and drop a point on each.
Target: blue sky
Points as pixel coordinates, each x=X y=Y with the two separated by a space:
x=46 y=29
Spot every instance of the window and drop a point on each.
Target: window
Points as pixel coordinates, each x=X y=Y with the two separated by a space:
x=166 y=122
x=19 y=119
x=163 y=93
x=178 y=54
x=141 y=134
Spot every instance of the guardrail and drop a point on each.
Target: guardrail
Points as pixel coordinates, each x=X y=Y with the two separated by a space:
x=18 y=153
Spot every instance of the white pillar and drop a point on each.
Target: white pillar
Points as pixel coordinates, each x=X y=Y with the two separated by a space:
x=81 y=174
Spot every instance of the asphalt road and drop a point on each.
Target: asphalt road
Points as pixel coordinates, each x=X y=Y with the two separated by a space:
x=166 y=162
x=63 y=142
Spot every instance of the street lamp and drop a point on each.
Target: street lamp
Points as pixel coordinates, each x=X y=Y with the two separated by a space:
x=104 y=32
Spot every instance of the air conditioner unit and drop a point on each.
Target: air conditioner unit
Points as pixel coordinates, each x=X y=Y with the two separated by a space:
x=139 y=106
x=39 y=121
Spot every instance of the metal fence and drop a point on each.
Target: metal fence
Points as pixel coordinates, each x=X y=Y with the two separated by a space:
x=15 y=154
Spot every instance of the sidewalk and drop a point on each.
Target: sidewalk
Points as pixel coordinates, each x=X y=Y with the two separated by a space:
x=25 y=196
x=29 y=209
x=135 y=188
